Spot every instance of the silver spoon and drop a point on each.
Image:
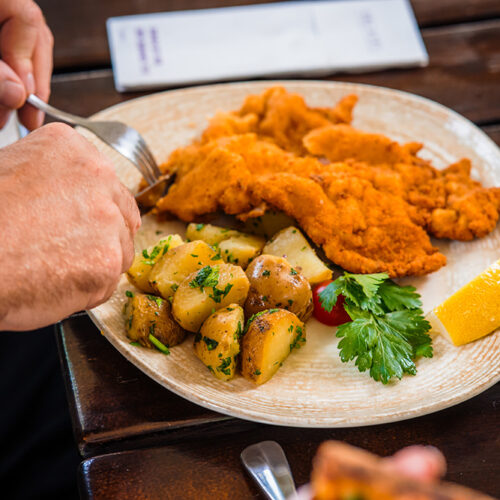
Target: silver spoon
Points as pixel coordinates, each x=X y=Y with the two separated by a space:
x=267 y=464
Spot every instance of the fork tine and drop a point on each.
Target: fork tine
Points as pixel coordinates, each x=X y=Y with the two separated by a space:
x=142 y=164
x=149 y=156
x=146 y=168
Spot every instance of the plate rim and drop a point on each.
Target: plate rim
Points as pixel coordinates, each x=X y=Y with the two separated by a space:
x=305 y=82
x=254 y=417
x=250 y=414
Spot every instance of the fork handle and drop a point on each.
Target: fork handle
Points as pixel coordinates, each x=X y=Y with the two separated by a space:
x=68 y=118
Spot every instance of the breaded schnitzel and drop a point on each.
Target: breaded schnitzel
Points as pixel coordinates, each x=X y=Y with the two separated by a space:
x=369 y=202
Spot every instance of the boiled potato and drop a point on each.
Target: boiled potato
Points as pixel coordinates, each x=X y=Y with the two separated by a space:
x=270 y=337
x=207 y=290
x=269 y=224
x=171 y=269
x=208 y=233
x=274 y=283
x=218 y=343
x=139 y=271
x=291 y=244
x=147 y=315
x=241 y=249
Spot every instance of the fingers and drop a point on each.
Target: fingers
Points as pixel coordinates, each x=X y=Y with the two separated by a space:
x=30 y=117
x=12 y=93
x=424 y=463
x=128 y=207
x=26 y=46
x=18 y=39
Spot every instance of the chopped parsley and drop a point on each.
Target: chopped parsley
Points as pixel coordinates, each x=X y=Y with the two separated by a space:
x=129 y=294
x=157 y=300
x=293 y=272
x=174 y=287
x=257 y=372
x=266 y=273
x=211 y=343
x=218 y=295
x=388 y=330
x=159 y=345
x=256 y=315
x=231 y=258
x=207 y=276
x=239 y=330
x=290 y=302
x=161 y=247
x=298 y=338
x=224 y=367
x=199 y=227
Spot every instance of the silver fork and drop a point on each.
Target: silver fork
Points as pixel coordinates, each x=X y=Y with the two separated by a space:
x=122 y=138
x=267 y=464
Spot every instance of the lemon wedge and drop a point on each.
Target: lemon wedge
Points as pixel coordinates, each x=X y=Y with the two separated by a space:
x=473 y=311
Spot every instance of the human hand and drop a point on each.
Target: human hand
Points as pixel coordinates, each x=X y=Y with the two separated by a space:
x=26 y=46
x=423 y=463
x=67 y=226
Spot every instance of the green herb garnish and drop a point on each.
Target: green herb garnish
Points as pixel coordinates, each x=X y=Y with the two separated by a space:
x=298 y=338
x=129 y=294
x=207 y=276
x=211 y=343
x=157 y=300
x=256 y=315
x=266 y=273
x=388 y=330
x=224 y=367
x=159 y=345
x=218 y=295
x=239 y=330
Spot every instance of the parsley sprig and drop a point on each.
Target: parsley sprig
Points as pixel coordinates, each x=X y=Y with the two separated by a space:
x=388 y=330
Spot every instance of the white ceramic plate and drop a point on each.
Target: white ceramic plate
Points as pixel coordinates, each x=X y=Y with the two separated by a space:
x=313 y=388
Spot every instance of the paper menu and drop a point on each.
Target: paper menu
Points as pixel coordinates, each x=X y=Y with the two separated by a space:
x=278 y=39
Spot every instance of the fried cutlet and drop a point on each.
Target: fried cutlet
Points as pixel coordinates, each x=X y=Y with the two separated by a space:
x=368 y=201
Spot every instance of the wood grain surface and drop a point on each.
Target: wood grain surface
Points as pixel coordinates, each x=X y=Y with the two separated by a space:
x=114 y=405
x=80 y=27
x=463 y=74
x=210 y=468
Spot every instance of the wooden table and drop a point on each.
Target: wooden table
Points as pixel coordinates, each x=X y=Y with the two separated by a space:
x=137 y=439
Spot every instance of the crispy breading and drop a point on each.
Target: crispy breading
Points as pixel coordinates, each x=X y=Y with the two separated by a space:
x=280 y=117
x=360 y=227
x=368 y=201
x=447 y=203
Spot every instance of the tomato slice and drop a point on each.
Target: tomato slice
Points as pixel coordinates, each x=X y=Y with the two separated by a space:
x=337 y=316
